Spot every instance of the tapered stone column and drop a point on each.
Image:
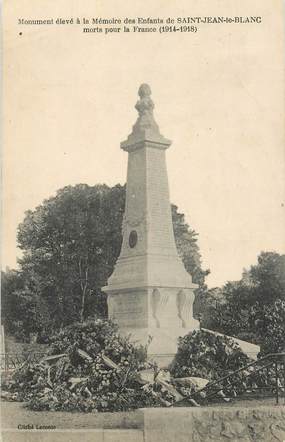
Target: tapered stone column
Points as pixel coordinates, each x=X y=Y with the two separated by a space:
x=150 y=293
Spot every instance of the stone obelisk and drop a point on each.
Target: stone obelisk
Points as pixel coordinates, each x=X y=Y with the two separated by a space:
x=150 y=294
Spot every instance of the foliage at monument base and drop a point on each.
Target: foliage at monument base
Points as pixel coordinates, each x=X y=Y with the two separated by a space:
x=90 y=367
x=205 y=354
x=202 y=353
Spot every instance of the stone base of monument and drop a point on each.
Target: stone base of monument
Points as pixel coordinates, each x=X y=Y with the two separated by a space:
x=161 y=343
x=157 y=317
x=154 y=316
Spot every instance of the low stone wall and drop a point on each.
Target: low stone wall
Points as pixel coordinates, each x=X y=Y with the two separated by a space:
x=235 y=424
x=215 y=424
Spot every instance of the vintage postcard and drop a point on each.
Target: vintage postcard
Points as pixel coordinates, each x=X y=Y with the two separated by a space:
x=143 y=240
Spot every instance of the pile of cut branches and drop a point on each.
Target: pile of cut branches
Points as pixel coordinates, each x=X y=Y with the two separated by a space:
x=215 y=356
x=90 y=367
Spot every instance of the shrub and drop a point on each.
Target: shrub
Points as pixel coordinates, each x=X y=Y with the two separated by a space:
x=205 y=354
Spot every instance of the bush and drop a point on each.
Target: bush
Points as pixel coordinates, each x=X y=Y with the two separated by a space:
x=205 y=354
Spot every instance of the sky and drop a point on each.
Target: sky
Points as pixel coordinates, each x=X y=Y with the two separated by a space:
x=219 y=96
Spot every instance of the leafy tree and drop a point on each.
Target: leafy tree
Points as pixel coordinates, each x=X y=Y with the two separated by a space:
x=22 y=310
x=253 y=308
x=70 y=245
x=11 y=283
x=267 y=278
x=187 y=245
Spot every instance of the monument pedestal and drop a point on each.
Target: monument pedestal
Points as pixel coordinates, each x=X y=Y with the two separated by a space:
x=161 y=343
x=154 y=316
x=150 y=294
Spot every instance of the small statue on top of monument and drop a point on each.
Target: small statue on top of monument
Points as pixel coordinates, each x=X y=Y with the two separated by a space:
x=145 y=107
x=145 y=104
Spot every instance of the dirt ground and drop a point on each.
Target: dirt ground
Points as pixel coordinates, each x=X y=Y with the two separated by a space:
x=14 y=414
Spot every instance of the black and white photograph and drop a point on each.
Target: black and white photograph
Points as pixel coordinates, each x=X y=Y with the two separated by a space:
x=143 y=221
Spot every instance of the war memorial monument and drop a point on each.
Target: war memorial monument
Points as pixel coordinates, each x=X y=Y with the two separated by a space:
x=150 y=294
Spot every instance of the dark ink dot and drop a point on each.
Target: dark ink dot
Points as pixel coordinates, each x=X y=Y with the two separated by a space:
x=20 y=33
